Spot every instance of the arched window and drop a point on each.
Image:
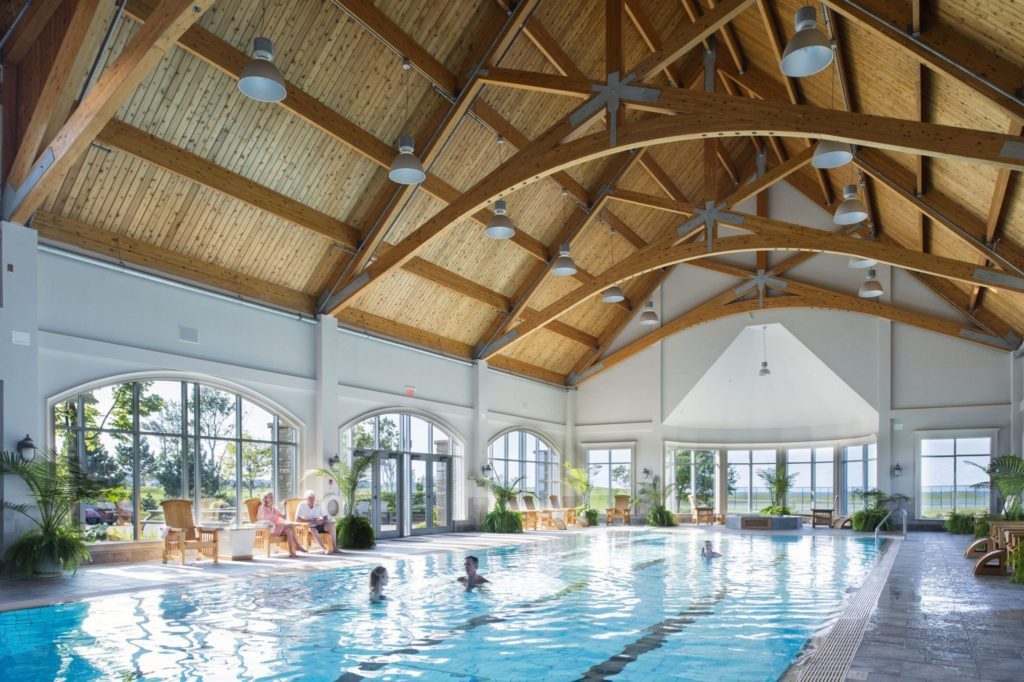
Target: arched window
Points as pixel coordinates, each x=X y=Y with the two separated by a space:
x=431 y=446
x=157 y=439
x=527 y=457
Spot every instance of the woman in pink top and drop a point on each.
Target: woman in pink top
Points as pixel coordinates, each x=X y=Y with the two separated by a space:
x=267 y=512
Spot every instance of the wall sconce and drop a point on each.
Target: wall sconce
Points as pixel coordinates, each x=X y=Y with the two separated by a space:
x=896 y=471
x=333 y=461
x=486 y=469
x=26 y=449
x=646 y=473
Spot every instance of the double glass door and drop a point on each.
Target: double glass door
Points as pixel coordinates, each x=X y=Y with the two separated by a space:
x=407 y=494
x=430 y=492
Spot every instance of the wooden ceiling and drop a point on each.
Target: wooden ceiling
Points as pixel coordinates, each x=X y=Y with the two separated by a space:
x=165 y=165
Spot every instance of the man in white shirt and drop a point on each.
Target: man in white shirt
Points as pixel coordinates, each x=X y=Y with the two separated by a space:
x=310 y=511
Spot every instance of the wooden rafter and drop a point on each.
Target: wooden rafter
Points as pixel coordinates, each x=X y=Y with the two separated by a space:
x=169 y=20
x=37 y=15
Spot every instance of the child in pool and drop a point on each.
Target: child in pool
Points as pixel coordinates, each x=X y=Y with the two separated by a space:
x=708 y=552
x=378 y=579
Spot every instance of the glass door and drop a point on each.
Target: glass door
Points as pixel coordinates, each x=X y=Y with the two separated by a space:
x=430 y=486
x=386 y=497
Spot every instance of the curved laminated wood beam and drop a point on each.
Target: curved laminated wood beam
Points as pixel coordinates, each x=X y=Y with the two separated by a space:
x=699 y=116
x=768 y=235
x=807 y=297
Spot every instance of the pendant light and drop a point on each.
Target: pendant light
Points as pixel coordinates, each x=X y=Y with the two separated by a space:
x=808 y=52
x=648 y=316
x=871 y=288
x=500 y=226
x=831 y=154
x=851 y=210
x=563 y=265
x=261 y=80
x=612 y=294
x=858 y=263
x=406 y=169
x=764 y=371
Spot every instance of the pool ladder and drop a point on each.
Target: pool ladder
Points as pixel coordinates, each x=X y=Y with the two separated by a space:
x=902 y=511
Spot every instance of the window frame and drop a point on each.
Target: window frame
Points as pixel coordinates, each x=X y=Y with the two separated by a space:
x=587 y=448
x=992 y=433
x=552 y=467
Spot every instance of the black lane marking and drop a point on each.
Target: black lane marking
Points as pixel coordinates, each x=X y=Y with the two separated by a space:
x=654 y=638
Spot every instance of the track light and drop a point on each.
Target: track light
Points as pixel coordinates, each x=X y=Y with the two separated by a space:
x=261 y=80
x=406 y=169
x=871 y=288
x=563 y=266
x=500 y=225
x=613 y=295
x=648 y=316
x=831 y=154
x=808 y=52
x=851 y=211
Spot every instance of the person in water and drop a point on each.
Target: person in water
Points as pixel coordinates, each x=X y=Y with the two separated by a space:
x=708 y=552
x=378 y=579
x=472 y=578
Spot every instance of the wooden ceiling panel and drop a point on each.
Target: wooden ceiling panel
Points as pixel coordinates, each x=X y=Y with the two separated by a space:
x=999 y=26
x=496 y=264
x=549 y=351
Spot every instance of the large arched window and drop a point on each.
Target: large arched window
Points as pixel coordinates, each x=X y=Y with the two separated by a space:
x=156 y=439
x=527 y=457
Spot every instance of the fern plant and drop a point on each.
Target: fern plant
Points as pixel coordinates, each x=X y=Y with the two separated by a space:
x=579 y=479
x=654 y=494
x=352 y=531
x=1007 y=472
x=778 y=485
x=501 y=519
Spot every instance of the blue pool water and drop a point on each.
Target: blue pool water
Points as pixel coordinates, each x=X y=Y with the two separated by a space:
x=626 y=605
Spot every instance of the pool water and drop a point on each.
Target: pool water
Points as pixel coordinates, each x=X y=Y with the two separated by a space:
x=638 y=605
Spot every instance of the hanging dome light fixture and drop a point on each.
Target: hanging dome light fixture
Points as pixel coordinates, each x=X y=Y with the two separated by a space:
x=261 y=80
x=871 y=288
x=764 y=371
x=830 y=154
x=648 y=316
x=406 y=169
x=500 y=225
x=563 y=265
x=858 y=263
x=808 y=52
x=851 y=210
x=612 y=294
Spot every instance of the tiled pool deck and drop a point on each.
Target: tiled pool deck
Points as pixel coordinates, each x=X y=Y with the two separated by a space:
x=934 y=621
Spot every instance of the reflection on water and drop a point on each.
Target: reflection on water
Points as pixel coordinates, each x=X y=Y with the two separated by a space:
x=588 y=605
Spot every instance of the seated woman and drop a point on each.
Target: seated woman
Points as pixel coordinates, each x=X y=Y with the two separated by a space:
x=267 y=512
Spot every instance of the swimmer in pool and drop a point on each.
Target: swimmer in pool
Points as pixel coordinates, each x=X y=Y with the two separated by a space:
x=472 y=578
x=378 y=579
x=708 y=552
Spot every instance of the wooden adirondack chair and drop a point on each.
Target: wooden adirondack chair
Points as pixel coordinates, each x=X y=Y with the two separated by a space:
x=619 y=511
x=529 y=517
x=264 y=540
x=701 y=514
x=303 y=532
x=568 y=512
x=183 y=534
x=823 y=517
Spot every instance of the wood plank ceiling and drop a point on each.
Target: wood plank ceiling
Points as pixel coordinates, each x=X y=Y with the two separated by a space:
x=286 y=203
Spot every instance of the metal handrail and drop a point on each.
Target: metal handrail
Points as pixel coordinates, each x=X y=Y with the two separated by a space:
x=878 y=528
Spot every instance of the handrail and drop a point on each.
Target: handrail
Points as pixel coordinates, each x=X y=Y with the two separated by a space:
x=878 y=528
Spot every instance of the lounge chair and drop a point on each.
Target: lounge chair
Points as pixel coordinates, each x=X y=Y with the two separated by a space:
x=264 y=540
x=543 y=516
x=303 y=531
x=183 y=534
x=619 y=511
x=569 y=513
x=529 y=517
x=701 y=514
x=823 y=517
x=991 y=541
x=1000 y=535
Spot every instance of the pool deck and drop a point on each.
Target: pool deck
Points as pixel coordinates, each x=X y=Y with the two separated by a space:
x=934 y=619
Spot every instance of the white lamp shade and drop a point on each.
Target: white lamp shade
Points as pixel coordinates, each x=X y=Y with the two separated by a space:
x=858 y=263
x=260 y=79
x=851 y=211
x=500 y=225
x=648 y=316
x=764 y=371
x=406 y=169
x=831 y=154
x=808 y=51
x=563 y=266
x=613 y=295
x=871 y=288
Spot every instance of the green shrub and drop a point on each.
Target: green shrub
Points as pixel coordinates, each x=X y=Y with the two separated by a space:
x=590 y=515
x=776 y=510
x=355 y=532
x=866 y=520
x=63 y=545
x=660 y=517
x=503 y=521
x=981 y=527
x=959 y=524
x=1018 y=565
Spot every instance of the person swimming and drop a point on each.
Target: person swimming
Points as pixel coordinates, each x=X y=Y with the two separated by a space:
x=708 y=552
x=472 y=578
x=378 y=579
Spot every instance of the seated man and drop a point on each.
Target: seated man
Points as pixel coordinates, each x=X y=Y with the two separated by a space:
x=309 y=511
x=472 y=578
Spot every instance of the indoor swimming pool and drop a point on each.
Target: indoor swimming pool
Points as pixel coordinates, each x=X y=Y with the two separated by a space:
x=638 y=605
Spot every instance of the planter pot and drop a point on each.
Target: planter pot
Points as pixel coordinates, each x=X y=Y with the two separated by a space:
x=47 y=567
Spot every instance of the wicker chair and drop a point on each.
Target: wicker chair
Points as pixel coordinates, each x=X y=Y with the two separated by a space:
x=619 y=511
x=264 y=540
x=183 y=534
x=303 y=532
x=701 y=514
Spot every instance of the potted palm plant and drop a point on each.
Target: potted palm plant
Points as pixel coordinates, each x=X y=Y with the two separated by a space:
x=353 y=531
x=501 y=519
x=654 y=494
x=578 y=479
x=778 y=486
x=56 y=484
x=1007 y=472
